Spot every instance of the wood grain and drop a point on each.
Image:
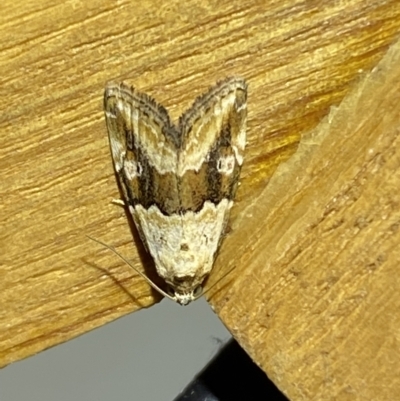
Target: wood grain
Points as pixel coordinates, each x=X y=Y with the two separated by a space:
x=317 y=305
x=57 y=181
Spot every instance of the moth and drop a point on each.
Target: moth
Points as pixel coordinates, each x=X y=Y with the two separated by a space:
x=179 y=179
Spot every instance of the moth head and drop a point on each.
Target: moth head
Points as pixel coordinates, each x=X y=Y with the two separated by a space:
x=185 y=289
x=185 y=297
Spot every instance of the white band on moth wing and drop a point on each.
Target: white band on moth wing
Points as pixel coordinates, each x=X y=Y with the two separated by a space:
x=200 y=231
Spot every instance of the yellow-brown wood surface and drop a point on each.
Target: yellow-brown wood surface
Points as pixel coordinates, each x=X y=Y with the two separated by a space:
x=318 y=304
x=313 y=295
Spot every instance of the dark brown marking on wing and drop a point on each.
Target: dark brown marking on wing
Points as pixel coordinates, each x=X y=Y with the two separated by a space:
x=149 y=187
x=221 y=185
x=209 y=183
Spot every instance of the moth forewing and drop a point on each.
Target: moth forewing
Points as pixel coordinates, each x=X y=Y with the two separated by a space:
x=179 y=181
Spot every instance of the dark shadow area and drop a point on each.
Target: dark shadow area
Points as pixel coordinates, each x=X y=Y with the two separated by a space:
x=231 y=376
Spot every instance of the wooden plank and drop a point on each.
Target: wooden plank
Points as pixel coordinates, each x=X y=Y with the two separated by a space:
x=315 y=296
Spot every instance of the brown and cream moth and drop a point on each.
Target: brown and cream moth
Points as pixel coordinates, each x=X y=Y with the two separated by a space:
x=179 y=180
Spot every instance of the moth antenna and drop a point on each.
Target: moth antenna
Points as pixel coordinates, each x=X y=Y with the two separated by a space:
x=221 y=278
x=154 y=285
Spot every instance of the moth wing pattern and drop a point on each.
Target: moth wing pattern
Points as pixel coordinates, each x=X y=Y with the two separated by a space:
x=213 y=134
x=143 y=147
x=179 y=181
x=134 y=121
